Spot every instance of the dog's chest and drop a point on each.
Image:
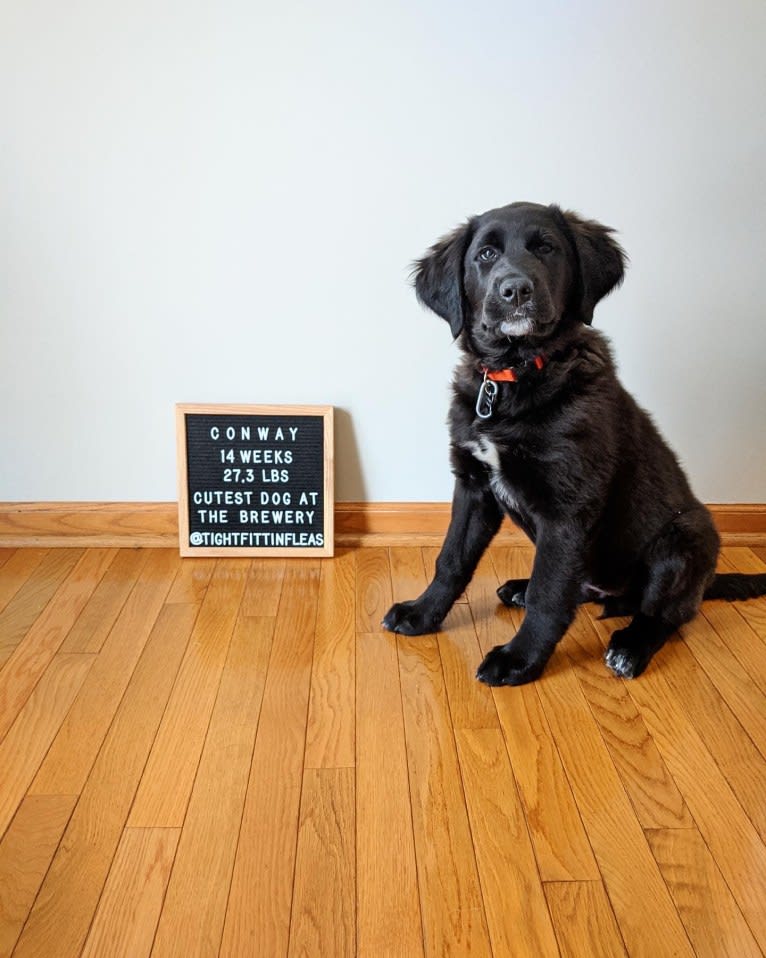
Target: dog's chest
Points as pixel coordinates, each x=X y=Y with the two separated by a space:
x=483 y=449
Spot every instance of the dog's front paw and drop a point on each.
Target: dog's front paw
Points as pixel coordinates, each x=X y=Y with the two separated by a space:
x=505 y=665
x=625 y=657
x=410 y=618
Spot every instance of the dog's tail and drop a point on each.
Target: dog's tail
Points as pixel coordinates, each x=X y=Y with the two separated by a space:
x=736 y=585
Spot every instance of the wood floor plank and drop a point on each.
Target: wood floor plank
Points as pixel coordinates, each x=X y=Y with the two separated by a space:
x=33 y=595
x=650 y=787
x=263 y=588
x=195 y=905
x=17 y=570
x=739 y=638
x=25 y=854
x=33 y=655
x=100 y=613
x=725 y=738
x=514 y=902
x=450 y=895
x=130 y=904
x=167 y=781
x=331 y=722
x=666 y=697
x=323 y=919
x=712 y=919
x=59 y=922
x=584 y=920
x=470 y=702
x=407 y=571
x=754 y=610
x=74 y=750
x=561 y=844
x=754 y=613
x=388 y=907
x=30 y=736
x=494 y=623
x=743 y=559
x=342 y=793
x=731 y=680
x=258 y=912
x=373 y=589
x=646 y=914
x=190 y=585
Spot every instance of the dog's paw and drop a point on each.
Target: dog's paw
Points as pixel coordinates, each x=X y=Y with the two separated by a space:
x=506 y=666
x=514 y=593
x=410 y=618
x=624 y=658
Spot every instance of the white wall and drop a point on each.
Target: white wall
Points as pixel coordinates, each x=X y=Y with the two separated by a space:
x=218 y=201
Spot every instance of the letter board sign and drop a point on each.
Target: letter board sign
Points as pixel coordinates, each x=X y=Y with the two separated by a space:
x=255 y=480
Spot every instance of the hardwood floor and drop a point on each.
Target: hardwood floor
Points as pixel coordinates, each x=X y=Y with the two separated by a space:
x=229 y=757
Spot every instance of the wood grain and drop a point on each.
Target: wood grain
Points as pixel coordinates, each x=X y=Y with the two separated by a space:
x=258 y=913
x=727 y=830
x=517 y=914
x=74 y=750
x=732 y=682
x=753 y=611
x=388 y=909
x=741 y=640
x=102 y=609
x=592 y=816
x=470 y=702
x=561 y=845
x=25 y=854
x=130 y=904
x=192 y=581
x=167 y=781
x=450 y=896
x=31 y=657
x=195 y=906
x=263 y=588
x=30 y=736
x=59 y=922
x=646 y=914
x=19 y=565
x=323 y=918
x=373 y=589
x=584 y=920
x=709 y=913
x=330 y=728
x=650 y=787
x=31 y=598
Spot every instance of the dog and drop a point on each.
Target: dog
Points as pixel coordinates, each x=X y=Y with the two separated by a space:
x=541 y=429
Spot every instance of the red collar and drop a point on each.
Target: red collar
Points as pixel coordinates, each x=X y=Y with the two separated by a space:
x=511 y=375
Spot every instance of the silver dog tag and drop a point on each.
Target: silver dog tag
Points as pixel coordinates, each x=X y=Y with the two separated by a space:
x=486 y=398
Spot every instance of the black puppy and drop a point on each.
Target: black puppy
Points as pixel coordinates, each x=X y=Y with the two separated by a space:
x=542 y=429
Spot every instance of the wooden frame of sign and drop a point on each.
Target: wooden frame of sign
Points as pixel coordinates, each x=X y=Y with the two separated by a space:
x=255 y=480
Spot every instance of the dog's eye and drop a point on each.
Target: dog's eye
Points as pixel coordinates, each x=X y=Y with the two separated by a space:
x=543 y=247
x=486 y=254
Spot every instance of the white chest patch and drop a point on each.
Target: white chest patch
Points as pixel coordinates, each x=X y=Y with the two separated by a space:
x=487 y=452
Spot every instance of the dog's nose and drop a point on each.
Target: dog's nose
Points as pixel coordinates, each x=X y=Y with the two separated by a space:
x=515 y=290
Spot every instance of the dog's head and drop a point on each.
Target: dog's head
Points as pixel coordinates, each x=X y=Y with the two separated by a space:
x=518 y=272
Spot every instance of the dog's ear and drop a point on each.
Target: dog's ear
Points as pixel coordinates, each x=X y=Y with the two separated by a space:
x=438 y=277
x=600 y=262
